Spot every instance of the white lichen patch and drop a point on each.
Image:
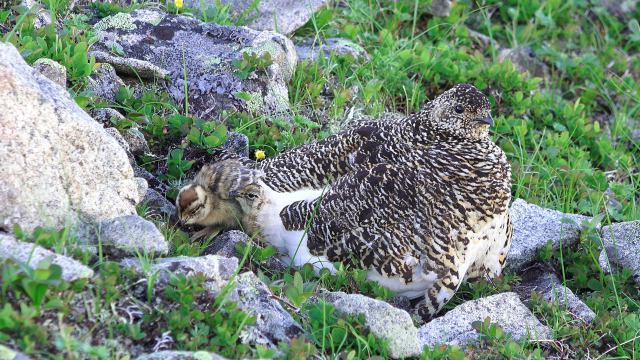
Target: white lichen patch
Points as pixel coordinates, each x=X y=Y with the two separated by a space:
x=150 y=17
x=122 y=21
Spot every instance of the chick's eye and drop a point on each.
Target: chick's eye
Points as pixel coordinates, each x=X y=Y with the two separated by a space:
x=459 y=109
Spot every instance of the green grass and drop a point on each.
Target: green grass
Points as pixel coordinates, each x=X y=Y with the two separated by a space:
x=568 y=138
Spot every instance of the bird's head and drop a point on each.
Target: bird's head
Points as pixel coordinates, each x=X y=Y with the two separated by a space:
x=462 y=111
x=220 y=194
x=193 y=204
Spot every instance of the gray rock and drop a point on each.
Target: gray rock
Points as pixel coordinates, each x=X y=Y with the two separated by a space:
x=311 y=49
x=619 y=8
x=158 y=205
x=52 y=70
x=143 y=186
x=533 y=226
x=131 y=235
x=483 y=39
x=237 y=144
x=43 y=16
x=603 y=261
x=107 y=116
x=137 y=143
x=622 y=244
x=153 y=182
x=131 y=66
x=104 y=82
x=273 y=323
x=10 y=354
x=525 y=61
x=32 y=254
x=505 y=310
x=382 y=319
x=440 y=8
x=60 y=168
x=283 y=16
x=549 y=287
x=181 y=355
x=216 y=269
x=208 y=52
x=225 y=245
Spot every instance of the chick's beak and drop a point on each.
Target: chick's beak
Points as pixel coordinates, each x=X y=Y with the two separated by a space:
x=485 y=120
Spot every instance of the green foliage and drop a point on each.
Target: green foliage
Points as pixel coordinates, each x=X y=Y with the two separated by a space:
x=335 y=334
x=176 y=165
x=252 y=62
x=68 y=45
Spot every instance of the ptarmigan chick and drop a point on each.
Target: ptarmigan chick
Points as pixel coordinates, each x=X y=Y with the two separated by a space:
x=421 y=202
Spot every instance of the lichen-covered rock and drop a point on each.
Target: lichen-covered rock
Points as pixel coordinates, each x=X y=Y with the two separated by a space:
x=43 y=16
x=533 y=226
x=181 y=355
x=525 y=61
x=440 y=8
x=208 y=52
x=549 y=287
x=143 y=186
x=104 y=82
x=32 y=254
x=214 y=268
x=237 y=143
x=311 y=49
x=506 y=310
x=59 y=167
x=283 y=16
x=622 y=245
x=131 y=235
x=273 y=323
x=107 y=116
x=225 y=245
x=135 y=138
x=382 y=319
x=619 y=8
x=158 y=206
x=52 y=70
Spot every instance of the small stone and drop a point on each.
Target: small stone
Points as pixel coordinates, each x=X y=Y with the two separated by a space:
x=603 y=261
x=132 y=67
x=107 y=116
x=52 y=70
x=43 y=16
x=158 y=205
x=104 y=83
x=10 y=354
x=382 y=319
x=283 y=16
x=181 y=355
x=137 y=143
x=505 y=309
x=11 y=248
x=525 y=61
x=311 y=49
x=225 y=243
x=131 y=235
x=273 y=324
x=440 y=8
x=237 y=144
x=551 y=289
x=215 y=269
x=143 y=186
x=622 y=244
x=534 y=226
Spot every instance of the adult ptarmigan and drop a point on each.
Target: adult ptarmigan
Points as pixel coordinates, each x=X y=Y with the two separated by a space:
x=421 y=202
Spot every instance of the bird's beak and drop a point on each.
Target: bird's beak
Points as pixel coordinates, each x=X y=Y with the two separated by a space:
x=485 y=120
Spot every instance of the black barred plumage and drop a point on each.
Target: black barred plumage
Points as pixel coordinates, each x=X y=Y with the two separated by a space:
x=420 y=202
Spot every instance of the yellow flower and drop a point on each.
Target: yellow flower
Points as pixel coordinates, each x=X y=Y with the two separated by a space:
x=260 y=154
x=179 y=3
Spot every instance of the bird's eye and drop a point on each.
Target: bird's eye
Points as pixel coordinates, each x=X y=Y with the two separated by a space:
x=459 y=109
